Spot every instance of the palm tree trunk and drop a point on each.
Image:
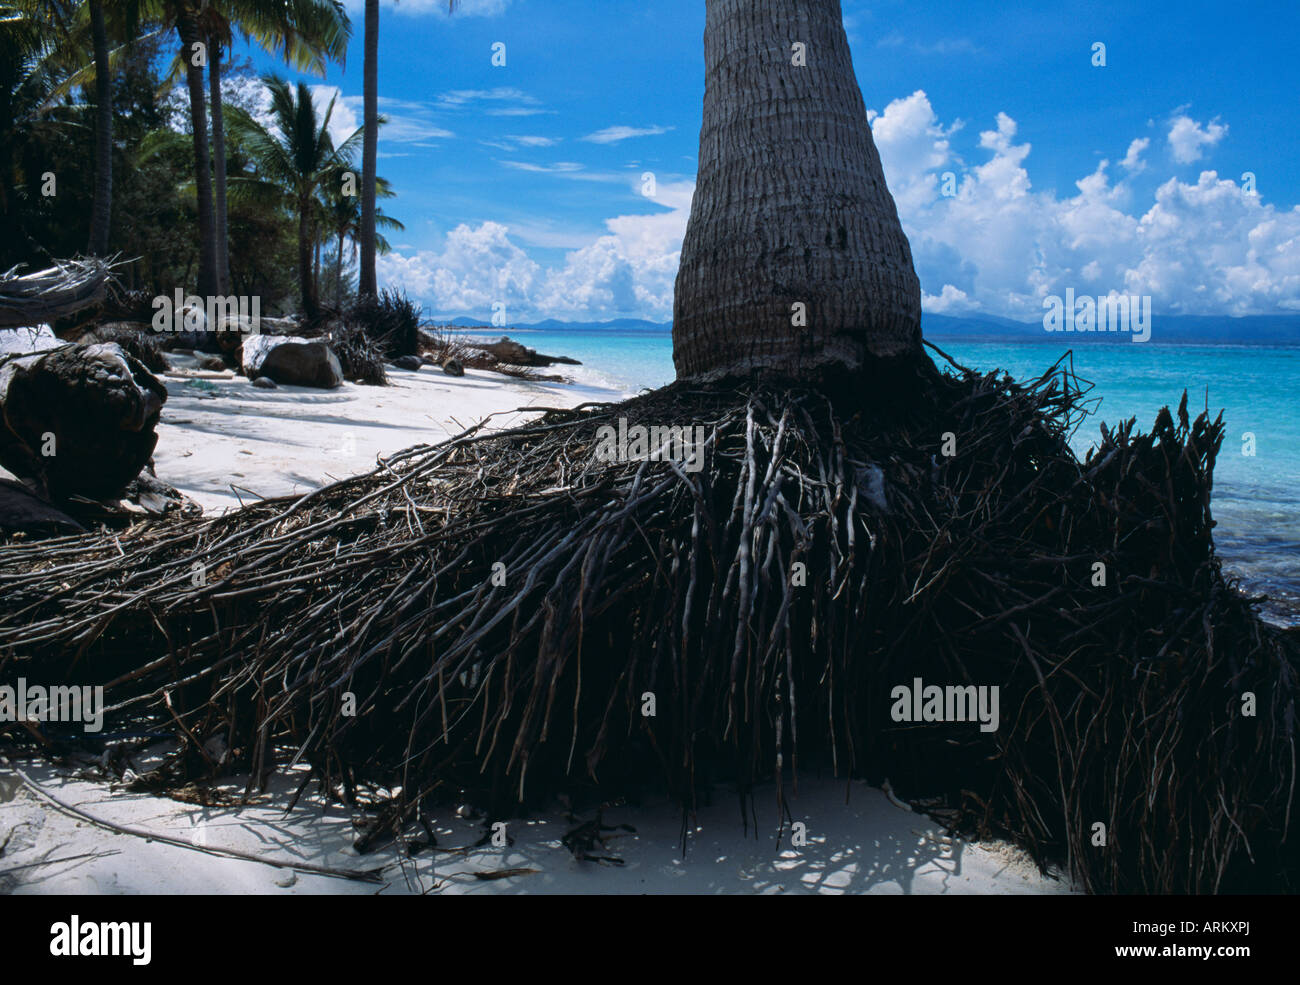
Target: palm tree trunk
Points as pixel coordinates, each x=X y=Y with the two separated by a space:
x=188 y=30
x=219 y=170
x=305 y=284
x=790 y=208
x=102 y=209
x=338 y=274
x=369 y=148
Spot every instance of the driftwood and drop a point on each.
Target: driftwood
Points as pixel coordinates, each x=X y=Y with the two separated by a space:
x=78 y=419
x=48 y=295
x=484 y=618
x=506 y=350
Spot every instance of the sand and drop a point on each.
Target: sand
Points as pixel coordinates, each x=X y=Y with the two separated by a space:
x=868 y=845
x=222 y=440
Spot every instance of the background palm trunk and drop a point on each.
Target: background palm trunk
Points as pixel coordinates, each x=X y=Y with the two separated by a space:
x=219 y=170
x=338 y=275
x=306 y=284
x=790 y=206
x=369 y=149
x=102 y=209
x=189 y=34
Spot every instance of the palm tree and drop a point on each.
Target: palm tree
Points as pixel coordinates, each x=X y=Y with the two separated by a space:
x=790 y=207
x=42 y=50
x=304 y=32
x=296 y=155
x=370 y=149
x=342 y=219
x=30 y=81
x=185 y=14
x=101 y=211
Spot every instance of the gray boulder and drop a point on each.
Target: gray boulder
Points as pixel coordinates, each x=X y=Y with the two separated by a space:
x=303 y=364
x=264 y=383
x=408 y=362
x=292 y=360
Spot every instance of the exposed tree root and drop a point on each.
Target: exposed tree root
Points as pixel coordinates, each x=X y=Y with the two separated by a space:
x=1121 y=704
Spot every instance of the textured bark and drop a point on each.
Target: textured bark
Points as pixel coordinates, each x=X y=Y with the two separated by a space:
x=79 y=419
x=188 y=30
x=219 y=170
x=369 y=148
x=306 y=282
x=790 y=206
x=101 y=210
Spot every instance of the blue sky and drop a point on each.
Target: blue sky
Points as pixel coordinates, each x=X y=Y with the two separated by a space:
x=522 y=183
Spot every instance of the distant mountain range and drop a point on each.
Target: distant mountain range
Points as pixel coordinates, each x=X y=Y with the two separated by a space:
x=1250 y=329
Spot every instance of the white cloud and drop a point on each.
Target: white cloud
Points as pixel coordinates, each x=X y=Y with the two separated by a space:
x=460 y=98
x=611 y=135
x=627 y=271
x=343 y=120
x=559 y=167
x=945 y=46
x=1187 y=138
x=476 y=268
x=997 y=246
x=951 y=300
x=513 y=142
x=1133 y=162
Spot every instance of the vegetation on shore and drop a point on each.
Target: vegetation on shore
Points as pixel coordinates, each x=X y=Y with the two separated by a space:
x=122 y=138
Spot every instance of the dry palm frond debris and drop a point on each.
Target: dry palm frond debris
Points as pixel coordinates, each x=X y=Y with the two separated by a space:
x=56 y=292
x=488 y=616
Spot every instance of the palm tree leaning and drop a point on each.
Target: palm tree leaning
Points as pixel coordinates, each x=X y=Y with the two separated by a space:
x=297 y=156
x=370 y=149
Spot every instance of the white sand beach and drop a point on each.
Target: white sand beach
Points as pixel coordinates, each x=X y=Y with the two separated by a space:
x=865 y=845
x=222 y=440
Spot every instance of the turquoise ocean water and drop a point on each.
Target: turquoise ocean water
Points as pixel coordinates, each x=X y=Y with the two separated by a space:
x=1256 y=498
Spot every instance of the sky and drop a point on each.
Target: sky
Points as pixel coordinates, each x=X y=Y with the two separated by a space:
x=1019 y=167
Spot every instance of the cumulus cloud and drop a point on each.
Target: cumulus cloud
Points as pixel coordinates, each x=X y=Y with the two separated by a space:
x=984 y=239
x=1133 y=162
x=1188 y=139
x=626 y=272
x=343 y=120
x=1001 y=246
